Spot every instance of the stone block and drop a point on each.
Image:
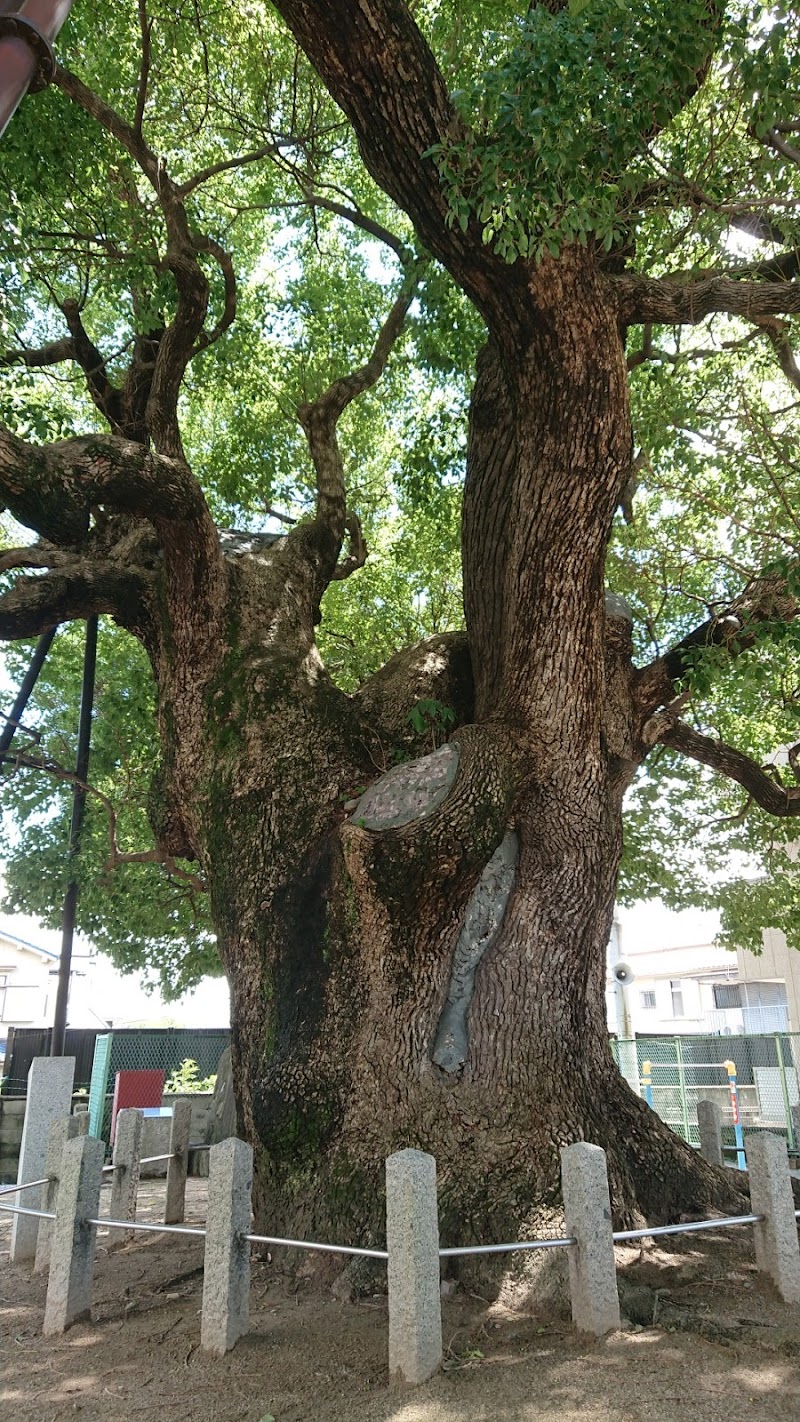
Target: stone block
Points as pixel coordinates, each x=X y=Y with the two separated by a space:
x=155 y=1141
x=226 y=1278
x=178 y=1163
x=412 y=1242
x=709 y=1124
x=777 y=1250
x=125 y=1175
x=49 y=1098
x=587 y=1212
x=69 y=1128
x=72 y=1249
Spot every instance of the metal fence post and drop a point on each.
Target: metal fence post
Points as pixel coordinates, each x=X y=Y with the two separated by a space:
x=733 y=1088
x=787 y=1109
x=682 y=1089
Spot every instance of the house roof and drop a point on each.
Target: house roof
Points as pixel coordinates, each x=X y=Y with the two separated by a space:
x=26 y=946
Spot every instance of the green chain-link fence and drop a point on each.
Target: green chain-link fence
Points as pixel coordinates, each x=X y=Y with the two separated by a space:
x=674 y=1073
x=149 y=1049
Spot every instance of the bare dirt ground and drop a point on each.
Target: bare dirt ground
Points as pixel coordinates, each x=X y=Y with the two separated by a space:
x=723 y=1348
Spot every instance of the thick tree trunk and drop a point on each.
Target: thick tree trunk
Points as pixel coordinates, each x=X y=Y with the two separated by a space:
x=429 y=969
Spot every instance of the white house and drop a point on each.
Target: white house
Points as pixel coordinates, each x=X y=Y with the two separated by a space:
x=27 y=983
x=678 y=981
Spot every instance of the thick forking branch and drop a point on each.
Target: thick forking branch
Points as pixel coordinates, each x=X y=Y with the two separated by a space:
x=672 y=301
x=767 y=791
x=319 y=420
x=185 y=335
x=54 y=353
x=104 y=394
x=73 y=592
x=777 y=333
x=380 y=70
x=357 y=555
x=53 y=491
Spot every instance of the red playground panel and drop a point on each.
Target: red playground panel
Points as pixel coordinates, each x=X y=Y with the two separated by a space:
x=135 y=1088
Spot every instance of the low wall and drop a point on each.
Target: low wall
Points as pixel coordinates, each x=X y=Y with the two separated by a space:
x=12 y=1118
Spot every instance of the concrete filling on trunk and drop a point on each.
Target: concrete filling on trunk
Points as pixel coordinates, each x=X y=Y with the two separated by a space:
x=408 y=792
x=481 y=926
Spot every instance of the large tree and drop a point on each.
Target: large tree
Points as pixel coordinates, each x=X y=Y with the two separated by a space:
x=411 y=874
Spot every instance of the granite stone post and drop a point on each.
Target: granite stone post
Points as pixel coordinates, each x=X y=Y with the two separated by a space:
x=412 y=1243
x=72 y=1249
x=67 y=1129
x=49 y=1097
x=709 y=1124
x=125 y=1175
x=178 y=1163
x=587 y=1212
x=777 y=1250
x=226 y=1279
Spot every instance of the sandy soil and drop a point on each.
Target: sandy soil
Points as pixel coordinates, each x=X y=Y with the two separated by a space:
x=723 y=1348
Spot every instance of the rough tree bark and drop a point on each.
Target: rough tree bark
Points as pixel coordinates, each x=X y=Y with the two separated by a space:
x=432 y=966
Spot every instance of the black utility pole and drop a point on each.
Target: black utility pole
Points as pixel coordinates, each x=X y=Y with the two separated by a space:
x=29 y=682
x=76 y=826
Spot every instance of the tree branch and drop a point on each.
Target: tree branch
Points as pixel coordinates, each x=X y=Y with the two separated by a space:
x=357 y=555
x=228 y=316
x=357 y=218
x=765 y=789
x=146 y=26
x=115 y=124
x=20 y=760
x=38 y=557
x=777 y=333
x=319 y=420
x=73 y=592
x=764 y=600
x=267 y=150
x=54 y=353
x=772 y=139
x=178 y=343
x=674 y=301
x=648 y=351
x=52 y=489
x=379 y=69
x=105 y=395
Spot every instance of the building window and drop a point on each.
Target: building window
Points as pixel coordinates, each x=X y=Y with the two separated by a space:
x=676 y=988
x=647 y=999
x=727 y=995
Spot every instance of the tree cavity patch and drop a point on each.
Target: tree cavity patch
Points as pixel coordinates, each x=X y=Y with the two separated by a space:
x=482 y=922
x=409 y=791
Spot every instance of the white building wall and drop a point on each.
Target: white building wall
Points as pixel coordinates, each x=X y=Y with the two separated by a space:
x=26 y=985
x=778 y=963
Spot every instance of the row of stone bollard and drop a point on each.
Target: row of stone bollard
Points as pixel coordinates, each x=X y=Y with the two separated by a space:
x=412 y=1242
x=65 y=1244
